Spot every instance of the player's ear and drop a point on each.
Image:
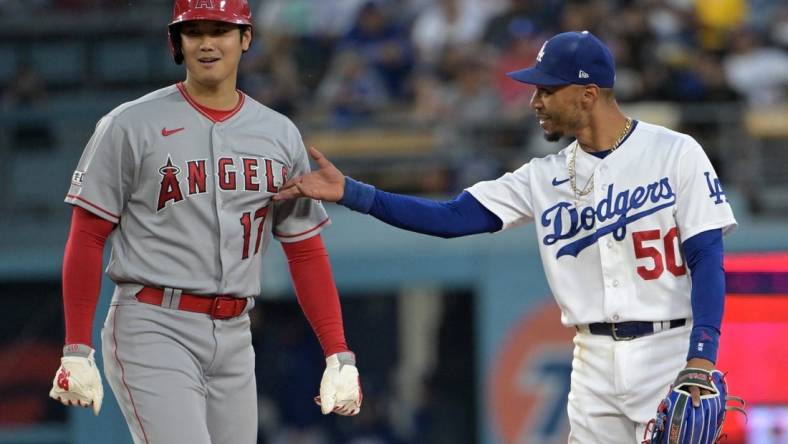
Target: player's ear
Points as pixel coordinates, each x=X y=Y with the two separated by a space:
x=246 y=38
x=590 y=95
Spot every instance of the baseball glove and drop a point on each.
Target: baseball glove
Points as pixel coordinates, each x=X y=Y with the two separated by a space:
x=679 y=422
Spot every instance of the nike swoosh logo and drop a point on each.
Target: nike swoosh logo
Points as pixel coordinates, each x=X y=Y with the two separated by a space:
x=165 y=132
x=557 y=182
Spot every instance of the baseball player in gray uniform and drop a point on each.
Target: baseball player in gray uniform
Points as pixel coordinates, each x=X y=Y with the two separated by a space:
x=180 y=181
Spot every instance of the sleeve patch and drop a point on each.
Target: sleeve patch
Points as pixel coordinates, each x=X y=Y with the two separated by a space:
x=77 y=178
x=715 y=189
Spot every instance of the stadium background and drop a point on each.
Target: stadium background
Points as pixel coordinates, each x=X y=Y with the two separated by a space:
x=458 y=341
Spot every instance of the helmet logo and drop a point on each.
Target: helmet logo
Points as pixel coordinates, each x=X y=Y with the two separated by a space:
x=203 y=4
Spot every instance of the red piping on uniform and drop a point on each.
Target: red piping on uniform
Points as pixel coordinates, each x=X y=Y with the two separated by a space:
x=75 y=197
x=305 y=232
x=123 y=373
x=201 y=109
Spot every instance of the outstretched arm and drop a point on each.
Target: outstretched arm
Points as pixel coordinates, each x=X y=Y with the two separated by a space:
x=462 y=216
x=459 y=217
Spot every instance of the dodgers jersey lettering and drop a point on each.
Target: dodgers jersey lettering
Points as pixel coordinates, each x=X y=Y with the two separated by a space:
x=192 y=197
x=617 y=250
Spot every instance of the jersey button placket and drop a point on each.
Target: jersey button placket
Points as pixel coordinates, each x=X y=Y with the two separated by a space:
x=604 y=254
x=608 y=255
x=216 y=153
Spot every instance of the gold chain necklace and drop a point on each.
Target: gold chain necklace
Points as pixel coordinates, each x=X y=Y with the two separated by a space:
x=589 y=186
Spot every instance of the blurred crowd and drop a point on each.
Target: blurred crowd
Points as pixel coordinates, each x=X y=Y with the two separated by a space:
x=447 y=59
x=443 y=63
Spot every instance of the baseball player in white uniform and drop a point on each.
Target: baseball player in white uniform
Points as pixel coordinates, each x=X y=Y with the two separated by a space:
x=181 y=182
x=621 y=213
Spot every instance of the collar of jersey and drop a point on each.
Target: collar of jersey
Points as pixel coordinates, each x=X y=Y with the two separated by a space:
x=208 y=112
x=582 y=152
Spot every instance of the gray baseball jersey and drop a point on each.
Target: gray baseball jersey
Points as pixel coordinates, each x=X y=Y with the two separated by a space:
x=192 y=197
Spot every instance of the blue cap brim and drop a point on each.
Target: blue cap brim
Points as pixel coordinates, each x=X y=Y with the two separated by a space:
x=533 y=76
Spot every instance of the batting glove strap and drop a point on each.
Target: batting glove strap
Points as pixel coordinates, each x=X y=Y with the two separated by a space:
x=340 y=388
x=78 y=382
x=78 y=350
x=358 y=196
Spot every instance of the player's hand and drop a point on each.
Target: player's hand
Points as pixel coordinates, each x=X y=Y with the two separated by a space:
x=326 y=183
x=340 y=388
x=697 y=392
x=77 y=381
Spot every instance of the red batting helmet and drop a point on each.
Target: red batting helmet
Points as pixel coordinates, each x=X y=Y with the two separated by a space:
x=228 y=11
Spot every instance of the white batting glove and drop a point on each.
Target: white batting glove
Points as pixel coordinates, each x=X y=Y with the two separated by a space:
x=340 y=388
x=77 y=381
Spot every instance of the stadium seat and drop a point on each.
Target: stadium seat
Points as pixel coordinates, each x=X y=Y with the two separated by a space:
x=10 y=57
x=59 y=63
x=122 y=61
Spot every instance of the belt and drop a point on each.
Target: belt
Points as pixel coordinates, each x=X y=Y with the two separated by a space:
x=218 y=307
x=626 y=331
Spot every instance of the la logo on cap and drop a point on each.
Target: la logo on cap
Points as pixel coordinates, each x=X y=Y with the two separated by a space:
x=541 y=52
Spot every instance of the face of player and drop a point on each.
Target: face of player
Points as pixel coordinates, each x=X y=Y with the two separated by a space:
x=212 y=51
x=559 y=110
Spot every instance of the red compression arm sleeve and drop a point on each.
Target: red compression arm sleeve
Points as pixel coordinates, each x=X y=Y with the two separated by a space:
x=82 y=273
x=317 y=292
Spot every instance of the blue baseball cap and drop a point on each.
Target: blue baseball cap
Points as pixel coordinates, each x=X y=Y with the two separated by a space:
x=577 y=58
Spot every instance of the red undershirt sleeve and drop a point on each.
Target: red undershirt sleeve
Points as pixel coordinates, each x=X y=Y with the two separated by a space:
x=316 y=292
x=82 y=262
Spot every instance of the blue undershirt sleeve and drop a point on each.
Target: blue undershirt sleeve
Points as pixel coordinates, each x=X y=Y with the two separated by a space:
x=461 y=216
x=704 y=254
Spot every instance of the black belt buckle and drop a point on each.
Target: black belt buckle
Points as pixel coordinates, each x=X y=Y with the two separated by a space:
x=616 y=337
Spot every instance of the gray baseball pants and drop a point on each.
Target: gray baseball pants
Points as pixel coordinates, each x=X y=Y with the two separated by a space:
x=180 y=377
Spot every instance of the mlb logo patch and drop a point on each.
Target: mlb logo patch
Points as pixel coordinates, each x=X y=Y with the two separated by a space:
x=77 y=178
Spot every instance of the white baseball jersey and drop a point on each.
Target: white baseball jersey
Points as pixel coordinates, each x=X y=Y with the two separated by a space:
x=616 y=255
x=191 y=196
